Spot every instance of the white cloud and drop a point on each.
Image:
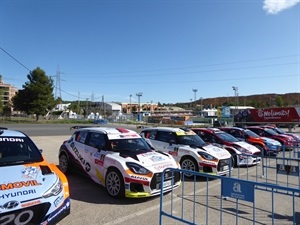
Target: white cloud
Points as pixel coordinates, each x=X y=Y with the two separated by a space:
x=275 y=6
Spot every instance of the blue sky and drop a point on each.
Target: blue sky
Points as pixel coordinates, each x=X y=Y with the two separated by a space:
x=162 y=48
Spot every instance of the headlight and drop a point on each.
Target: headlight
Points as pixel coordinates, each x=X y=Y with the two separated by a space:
x=207 y=156
x=136 y=168
x=54 y=190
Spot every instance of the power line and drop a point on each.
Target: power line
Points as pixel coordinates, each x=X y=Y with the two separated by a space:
x=15 y=59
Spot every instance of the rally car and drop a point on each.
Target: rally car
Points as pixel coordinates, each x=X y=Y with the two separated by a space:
x=32 y=191
x=267 y=146
x=243 y=153
x=189 y=150
x=120 y=160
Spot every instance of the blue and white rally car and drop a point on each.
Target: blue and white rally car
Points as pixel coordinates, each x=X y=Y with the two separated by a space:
x=32 y=191
x=120 y=160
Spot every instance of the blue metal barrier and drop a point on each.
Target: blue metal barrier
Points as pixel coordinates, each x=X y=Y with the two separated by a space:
x=208 y=199
x=279 y=170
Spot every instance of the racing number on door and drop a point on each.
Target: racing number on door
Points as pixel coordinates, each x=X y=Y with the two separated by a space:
x=16 y=219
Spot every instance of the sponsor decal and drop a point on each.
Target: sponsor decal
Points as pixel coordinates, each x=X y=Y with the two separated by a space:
x=128 y=135
x=208 y=163
x=163 y=166
x=58 y=200
x=173 y=153
x=156 y=158
x=28 y=204
x=100 y=161
x=11 y=139
x=30 y=172
x=86 y=165
x=59 y=211
x=17 y=193
x=139 y=177
x=19 y=184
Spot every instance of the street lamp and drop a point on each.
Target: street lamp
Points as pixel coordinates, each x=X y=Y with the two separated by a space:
x=236 y=100
x=195 y=91
x=201 y=107
x=139 y=94
x=130 y=103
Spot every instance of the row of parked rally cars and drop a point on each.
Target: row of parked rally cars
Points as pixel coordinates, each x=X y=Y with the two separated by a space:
x=126 y=163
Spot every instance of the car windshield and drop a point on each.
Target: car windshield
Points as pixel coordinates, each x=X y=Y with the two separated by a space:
x=270 y=131
x=18 y=150
x=227 y=137
x=252 y=134
x=278 y=130
x=132 y=145
x=191 y=140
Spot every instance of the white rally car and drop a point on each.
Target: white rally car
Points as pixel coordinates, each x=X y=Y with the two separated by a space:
x=189 y=150
x=119 y=159
x=32 y=191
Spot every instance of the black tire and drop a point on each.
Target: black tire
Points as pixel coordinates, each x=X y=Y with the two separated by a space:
x=64 y=163
x=114 y=183
x=189 y=163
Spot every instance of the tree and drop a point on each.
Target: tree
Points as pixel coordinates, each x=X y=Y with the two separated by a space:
x=279 y=101
x=36 y=97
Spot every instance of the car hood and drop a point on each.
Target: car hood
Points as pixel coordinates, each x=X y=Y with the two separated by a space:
x=216 y=151
x=270 y=141
x=284 y=136
x=153 y=158
x=247 y=146
x=24 y=183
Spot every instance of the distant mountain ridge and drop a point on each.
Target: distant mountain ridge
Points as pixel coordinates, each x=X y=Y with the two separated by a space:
x=257 y=101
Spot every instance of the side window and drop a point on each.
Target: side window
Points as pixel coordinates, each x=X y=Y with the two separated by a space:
x=237 y=133
x=96 y=140
x=205 y=137
x=165 y=136
x=150 y=134
x=81 y=136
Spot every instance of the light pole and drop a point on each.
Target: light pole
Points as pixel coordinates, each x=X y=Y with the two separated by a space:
x=130 y=103
x=195 y=91
x=236 y=100
x=139 y=94
x=201 y=107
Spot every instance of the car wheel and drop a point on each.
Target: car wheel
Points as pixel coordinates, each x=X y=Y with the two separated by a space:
x=114 y=183
x=64 y=163
x=189 y=163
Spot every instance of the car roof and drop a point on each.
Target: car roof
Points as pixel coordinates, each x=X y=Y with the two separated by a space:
x=172 y=129
x=211 y=130
x=111 y=132
x=11 y=133
x=234 y=128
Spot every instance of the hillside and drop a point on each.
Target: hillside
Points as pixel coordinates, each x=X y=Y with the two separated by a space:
x=257 y=101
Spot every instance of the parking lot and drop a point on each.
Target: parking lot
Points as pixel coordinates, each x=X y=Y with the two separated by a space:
x=92 y=205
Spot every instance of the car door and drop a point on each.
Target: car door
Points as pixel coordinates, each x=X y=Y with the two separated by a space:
x=78 y=147
x=95 y=154
x=159 y=140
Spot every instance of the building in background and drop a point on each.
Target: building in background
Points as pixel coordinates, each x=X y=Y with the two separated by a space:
x=7 y=92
